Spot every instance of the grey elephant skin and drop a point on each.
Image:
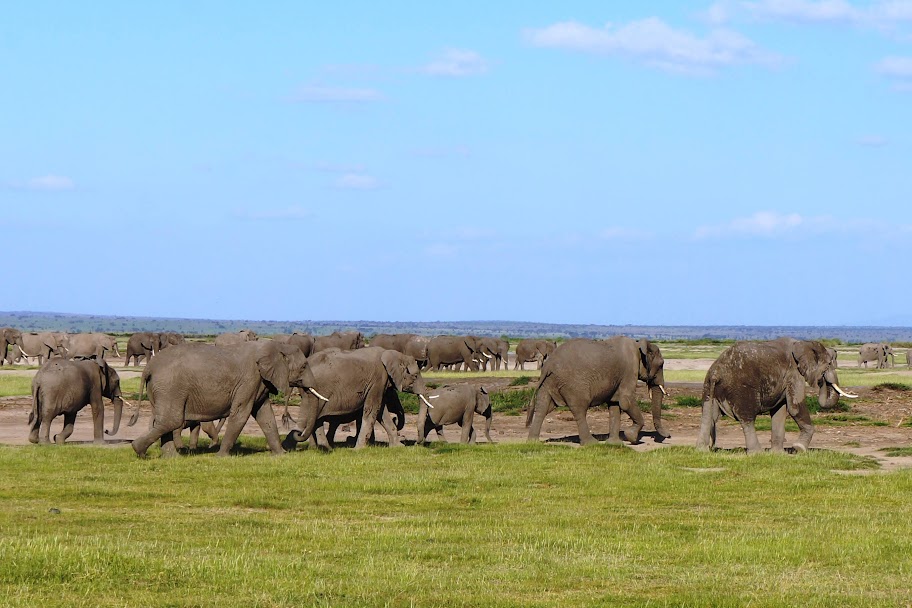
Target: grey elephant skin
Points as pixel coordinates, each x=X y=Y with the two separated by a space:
x=754 y=378
x=44 y=345
x=91 y=345
x=65 y=386
x=412 y=345
x=533 y=351
x=305 y=342
x=352 y=383
x=345 y=340
x=452 y=350
x=583 y=373
x=238 y=337
x=879 y=353
x=142 y=345
x=201 y=383
x=455 y=405
x=9 y=337
x=493 y=351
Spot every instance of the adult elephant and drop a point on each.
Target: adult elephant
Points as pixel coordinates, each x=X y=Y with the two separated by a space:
x=238 y=337
x=493 y=350
x=452 y=350
x=455 y=404
x=412 y=345
x=44 y=345
x=753 y=378
x=417 y=348
x=91 y=345
x=9 y=337
x=142 y=345
x=888 y=354
x=533 y=351
x=583 y=373
x=65 y=386
x=200 y=383
x=305 y=342
x=170 y=338
x=354 y=384
x=345 y=340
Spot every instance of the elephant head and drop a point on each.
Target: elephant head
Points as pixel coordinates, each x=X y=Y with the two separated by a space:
x=282 y=366
x=9 y=337
x=652 y=372
x=404 y=373
x=818 y=367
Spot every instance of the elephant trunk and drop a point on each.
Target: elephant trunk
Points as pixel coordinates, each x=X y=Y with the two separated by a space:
x=118 y=413
x=827 y=396
x=489 y=416
x=658 y=394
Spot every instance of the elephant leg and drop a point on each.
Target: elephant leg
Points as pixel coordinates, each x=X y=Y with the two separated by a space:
x=169 y=445
x=44 y=435
x=386 y=420
x=331 y=433
x=319 y=439
x=472 y=436
x=614 y=424
x=711 y=414
x=803 y=419
x=541 y=405
x=33 y=432
x=159 y=427
x=582 y=424
x=98 y=421
x=750 y=436
x=466 y=424
x=69 y=421
x=777 y=443
x=236 y=421
x=440 y=435
x=194 y=435
x=629 y=405
x=265 y=417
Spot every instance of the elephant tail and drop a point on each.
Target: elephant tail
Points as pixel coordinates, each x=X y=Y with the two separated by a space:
x=530 y=409
x=143 y=380
x=36 y=405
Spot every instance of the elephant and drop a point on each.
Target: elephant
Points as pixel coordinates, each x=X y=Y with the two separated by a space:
x=305 y=342
x=347 y=340
x=584 y=373
x=494 y=350
x=9 y=337
x=455 y=404
x=888 y=353
x=170 y=338
x=875 y=352
x=447 y=350
x=199 y=383
x=392 y=415
x=142 y=344
x=238 y=337
x=355 y=383
x=408 y=344
x=909 y=357
x=834 y=356
x=65 y=386
x=43 y=345
x=752 y=378
x=91 y=345
x=533 y=350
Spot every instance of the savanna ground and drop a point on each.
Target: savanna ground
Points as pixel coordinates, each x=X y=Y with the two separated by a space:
x=504 y=525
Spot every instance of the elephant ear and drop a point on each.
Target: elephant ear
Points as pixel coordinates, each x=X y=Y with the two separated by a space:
x=482 y=389
x=274 y=370
x=806 y=359
x=395 y=369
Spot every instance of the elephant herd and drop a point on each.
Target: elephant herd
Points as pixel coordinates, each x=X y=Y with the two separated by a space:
x=343 y=380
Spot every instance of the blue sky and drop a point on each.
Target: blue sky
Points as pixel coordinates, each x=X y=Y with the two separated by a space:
x=658 y=163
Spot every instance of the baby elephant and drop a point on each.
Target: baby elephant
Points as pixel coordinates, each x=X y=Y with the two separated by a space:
x=455 y=405
x=64 y=386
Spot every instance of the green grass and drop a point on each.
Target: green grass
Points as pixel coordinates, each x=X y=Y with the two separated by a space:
x=764 y=423
x=688 y=401
x=893 y=386
x=509 y=525
x=897 y=452
x=521 y=381
x=11 y=386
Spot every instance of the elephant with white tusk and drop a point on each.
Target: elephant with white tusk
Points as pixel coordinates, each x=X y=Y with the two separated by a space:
x=65 y=386
x=533 y=351
x=753 y=378
x=453 y=350
x=583 y=373
x=195 y=382
x=354 y=384
x=10 y=339
x=455 y=405
x=44 y=345
x=91 y=345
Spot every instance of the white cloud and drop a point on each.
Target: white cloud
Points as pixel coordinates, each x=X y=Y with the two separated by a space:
x=767 y=224
x=45 y=183
x=885 y=14
x=293 y=212
x=456 y=63
x=617 y=233
x=322 y=94
x=872 y=141
x=441 y=250
x=656 y=44
x=357 y=181
x=328 y=167
x=898 y=70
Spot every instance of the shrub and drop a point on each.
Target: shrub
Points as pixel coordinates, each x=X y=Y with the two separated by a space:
x=521 y=381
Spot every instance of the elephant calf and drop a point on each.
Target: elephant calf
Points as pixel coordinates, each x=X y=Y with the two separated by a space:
x=455 y=405
x=64 y=386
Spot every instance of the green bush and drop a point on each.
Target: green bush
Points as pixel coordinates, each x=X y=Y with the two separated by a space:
x=689 y=401
x=511 y=403
x=521 y=381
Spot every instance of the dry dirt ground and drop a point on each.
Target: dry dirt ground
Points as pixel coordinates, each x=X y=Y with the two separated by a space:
x=891 y=407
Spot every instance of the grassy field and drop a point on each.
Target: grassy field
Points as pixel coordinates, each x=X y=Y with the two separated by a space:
x=520 y=525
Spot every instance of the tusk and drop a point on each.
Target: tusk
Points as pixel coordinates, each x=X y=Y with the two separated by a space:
x=127 y=403
x=317 y=395
x=428 y=403
x=433 y=396
x=842 y=393
x=662 y=388
x=487 y=355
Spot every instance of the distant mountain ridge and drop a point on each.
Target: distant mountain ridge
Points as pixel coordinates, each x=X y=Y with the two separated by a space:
x=50 y=321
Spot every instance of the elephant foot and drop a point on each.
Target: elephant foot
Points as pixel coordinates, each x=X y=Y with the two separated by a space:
x=799 y=448
x=614 y=441
x=33 y=437
x=703 y=447
x=58 y=440
x=662 y=434
x=632 y=435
